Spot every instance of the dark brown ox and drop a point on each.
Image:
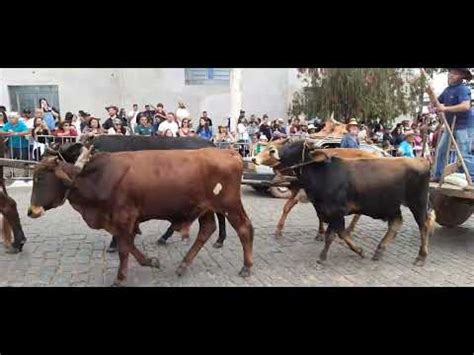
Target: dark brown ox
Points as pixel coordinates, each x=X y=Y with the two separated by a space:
x=118 y=191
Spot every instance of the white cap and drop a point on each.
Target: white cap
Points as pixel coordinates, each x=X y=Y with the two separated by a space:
x=263 y=137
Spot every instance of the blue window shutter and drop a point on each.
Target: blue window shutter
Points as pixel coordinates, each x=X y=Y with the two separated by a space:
x=207 y=76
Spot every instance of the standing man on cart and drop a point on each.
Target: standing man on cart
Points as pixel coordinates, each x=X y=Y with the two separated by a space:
x=455 y=101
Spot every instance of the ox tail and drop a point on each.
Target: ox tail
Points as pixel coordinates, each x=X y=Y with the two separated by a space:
x=431 y=218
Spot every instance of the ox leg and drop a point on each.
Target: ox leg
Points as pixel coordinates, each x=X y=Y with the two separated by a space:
x=320 y=235
x=425 y=223
x=242 y=225
x=142 y=259
x=164 y=238
x=6 y=233
x=207 y=226
x=346 y=236
x=124 y=247
x=333 y=226
x=394 y=226
x=292 y=201
x=354 y=222
x=222 y=231
x=11 y=223
x=113 y=245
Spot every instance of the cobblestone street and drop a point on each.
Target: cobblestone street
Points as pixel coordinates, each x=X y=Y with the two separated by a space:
x=62 y=251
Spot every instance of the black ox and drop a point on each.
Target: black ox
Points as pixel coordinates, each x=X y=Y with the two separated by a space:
x=338 y=187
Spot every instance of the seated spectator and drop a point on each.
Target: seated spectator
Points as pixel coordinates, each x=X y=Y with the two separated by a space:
x=406 y=147
x=397 y=135
x=253 y=126
x=170 y=123
x=312 y=129
x=118 y=128
x=40 y=129
x=295 y=128
x=16 y=130
x=3 y=118
x=223 y=136
x=65 y=130
x=185 y=129
x=93 y=129
x=144 y=128
x=387 y=136
x=278 y=130
x=168 y=133
x=386 y=146
x=26 y=117
x=64 y=133
x=261 y=144
x=265 y=127
x=203 y=130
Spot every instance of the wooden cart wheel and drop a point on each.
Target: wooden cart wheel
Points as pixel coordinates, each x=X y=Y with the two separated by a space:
x=450 y=211
x=280 y=192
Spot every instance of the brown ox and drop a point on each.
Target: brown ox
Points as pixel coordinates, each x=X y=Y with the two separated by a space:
x=118 y=191
x=297 y=192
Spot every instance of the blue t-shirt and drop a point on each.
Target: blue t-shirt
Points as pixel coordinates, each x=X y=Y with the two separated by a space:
x=406 y=149
x=48 y=118
x=454 y=95
x=19 y=127
x=349 y=142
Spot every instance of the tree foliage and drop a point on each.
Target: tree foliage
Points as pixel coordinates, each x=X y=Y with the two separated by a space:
x=367 y=94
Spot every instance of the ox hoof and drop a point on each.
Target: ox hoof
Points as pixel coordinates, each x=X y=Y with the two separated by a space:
x=319 y=237
x=419 y=261
x=13 y=250
x=244 y=272
x=321 y=261
x=112 y=249
x=181 y=270
x=361 y=253
x=118 y=283
x=218 y=245
x=154 y=262
x=278 y=234
x=377 y=256
x=161 y=241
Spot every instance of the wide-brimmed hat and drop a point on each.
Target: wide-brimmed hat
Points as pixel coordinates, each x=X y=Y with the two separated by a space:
x=311 y=126
x=353 y=122
x=112 y=106
x=13 y=115
x=466 y=72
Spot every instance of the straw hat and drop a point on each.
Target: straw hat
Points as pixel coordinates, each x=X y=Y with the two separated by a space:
x=352 y=122
x=13 y=115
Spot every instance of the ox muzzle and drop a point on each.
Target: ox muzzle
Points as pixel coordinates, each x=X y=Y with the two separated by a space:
x=35 y=211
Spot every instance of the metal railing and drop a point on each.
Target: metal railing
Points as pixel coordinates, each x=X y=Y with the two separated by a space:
x=29 y=148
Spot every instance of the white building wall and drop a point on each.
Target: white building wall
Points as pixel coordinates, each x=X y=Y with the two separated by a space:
x=264 y=90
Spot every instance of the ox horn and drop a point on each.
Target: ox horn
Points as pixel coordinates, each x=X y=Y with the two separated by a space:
x=84 y=157
x=51 y=151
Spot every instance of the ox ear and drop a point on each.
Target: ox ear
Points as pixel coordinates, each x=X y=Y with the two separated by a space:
x=63 y=175
x=320 y=155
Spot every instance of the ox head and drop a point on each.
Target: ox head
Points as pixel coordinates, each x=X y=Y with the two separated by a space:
x=280 y=155
x=52 y=178
x=270 y=156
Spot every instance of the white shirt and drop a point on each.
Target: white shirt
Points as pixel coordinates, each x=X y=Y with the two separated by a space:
x=242 y=133
x=165 y=125
x=182 y=113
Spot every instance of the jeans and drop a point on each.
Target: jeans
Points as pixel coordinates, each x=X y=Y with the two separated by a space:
x=463 y=141
x=19 y=153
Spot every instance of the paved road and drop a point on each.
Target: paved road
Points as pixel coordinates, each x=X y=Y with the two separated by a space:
x=62 y=251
